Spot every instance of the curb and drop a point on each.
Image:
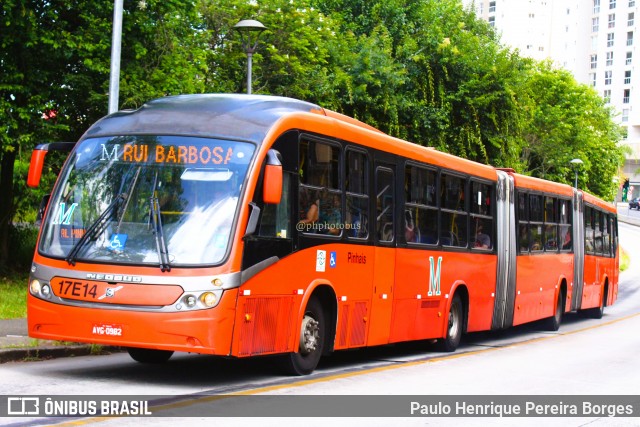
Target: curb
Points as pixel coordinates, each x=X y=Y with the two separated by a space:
x=44 y=353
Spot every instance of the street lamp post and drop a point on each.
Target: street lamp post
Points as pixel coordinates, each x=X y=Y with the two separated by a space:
x=576 y=163
x=114 y=77
x=246 y=28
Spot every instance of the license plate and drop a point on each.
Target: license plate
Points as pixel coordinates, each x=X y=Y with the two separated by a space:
x=107 y=329
x=83 y=290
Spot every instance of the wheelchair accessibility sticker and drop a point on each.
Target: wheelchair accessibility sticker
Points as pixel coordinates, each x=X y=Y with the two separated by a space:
x=333 y=259
x=117 y=242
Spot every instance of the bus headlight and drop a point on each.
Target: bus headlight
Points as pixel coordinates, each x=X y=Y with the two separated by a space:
x=46 y=291
x=190 y=301
x=35 y=287
x=209 y=299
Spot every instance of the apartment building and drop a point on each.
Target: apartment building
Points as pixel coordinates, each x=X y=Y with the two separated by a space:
x=596 y=40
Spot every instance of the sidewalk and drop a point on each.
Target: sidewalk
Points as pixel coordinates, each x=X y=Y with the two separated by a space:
x=16 y=345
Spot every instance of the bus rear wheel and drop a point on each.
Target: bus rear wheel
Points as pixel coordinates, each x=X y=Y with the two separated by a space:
x=311 y=341
x=553 y=322
x=147 y=355
x=455 y=324
x=598 y=312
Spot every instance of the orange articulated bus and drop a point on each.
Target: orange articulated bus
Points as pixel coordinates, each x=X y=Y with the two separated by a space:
x=238 y=225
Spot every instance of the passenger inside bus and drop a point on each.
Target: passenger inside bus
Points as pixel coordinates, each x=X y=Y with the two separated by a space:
x=483 y=241
x=567 y=240
x=331 y=214
x=411 y=232
x=309 y=207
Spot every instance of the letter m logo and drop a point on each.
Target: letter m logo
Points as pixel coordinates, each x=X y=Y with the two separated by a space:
x=64 y=216
x=434 y=276
x=112 y=156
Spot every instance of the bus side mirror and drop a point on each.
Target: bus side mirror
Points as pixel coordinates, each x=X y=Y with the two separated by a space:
x=272 y=183
x=35 y=168
x=37 y=160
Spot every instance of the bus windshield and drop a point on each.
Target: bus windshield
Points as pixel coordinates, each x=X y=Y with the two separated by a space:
x=156 y=200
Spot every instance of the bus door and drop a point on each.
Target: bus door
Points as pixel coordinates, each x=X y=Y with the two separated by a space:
x=385 y=255
x=578 y=250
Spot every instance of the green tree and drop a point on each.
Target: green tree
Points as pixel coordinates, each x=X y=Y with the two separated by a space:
x=571 y=121
x=54 y=71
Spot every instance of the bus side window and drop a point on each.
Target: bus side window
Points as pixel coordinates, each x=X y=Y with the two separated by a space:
x=357 y=192
x=275 y=220
x=384 y=205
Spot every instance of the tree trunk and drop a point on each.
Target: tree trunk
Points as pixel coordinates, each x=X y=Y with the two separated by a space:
x=7 y=163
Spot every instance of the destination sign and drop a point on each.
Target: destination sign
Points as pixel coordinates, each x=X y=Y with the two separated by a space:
x=169 y=154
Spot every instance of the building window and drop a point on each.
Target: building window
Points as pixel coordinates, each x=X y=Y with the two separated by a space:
x=632 y=3
x=532 y=15
x=607 y=96
x=609 y=59
x=631 y=19
x=592 y=76
x=629 y=58
x=612 y=4
x=625 y=96
x=607 y=77
x=595 y=25
x=610 y=38
x=594 y=61
x=596 y=6
x=492 y=21
x=630 y=38
x=627 y=77
x=612 y=20
x=625 y=115
x=492 y=7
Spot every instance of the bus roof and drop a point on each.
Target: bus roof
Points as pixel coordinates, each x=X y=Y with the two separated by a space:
x=537 y=184
x=225 y=116
x=588 y=198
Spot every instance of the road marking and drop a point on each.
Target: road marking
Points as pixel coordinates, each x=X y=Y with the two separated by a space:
x=204 y=399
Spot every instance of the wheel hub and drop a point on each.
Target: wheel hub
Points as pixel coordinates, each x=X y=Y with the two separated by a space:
x=309 y=335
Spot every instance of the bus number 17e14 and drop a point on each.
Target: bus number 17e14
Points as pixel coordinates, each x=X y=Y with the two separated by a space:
x=72 y=288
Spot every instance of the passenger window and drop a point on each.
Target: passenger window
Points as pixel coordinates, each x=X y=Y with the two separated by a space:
x=357 y=186
x=481 y=219
x=320 y=207
x=453 y=231
x=420 y=212
x=384 y=205
x=319 y=164
x=564 y=218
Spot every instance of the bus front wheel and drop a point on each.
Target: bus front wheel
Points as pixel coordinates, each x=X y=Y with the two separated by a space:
x=455 y=324
x=146 y=355
x=311 y=341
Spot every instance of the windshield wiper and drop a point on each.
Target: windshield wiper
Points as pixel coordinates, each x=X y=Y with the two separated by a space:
x=154 y=216
x=161 y=244
x=96 y=228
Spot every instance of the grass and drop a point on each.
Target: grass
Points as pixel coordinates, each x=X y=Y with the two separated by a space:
x=13 y=295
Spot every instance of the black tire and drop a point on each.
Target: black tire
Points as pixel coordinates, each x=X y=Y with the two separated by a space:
x=455 y=326
x=598 y=312
x=553 y=322
x=146 y=355
x=311 y=341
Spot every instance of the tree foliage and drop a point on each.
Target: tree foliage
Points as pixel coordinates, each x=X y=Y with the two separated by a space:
x=427 y=71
